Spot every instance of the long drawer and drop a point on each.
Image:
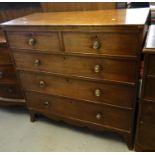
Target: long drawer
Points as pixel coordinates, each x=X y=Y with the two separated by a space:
x=120 y=95
x=93 y=67
x=44 y=41
x=10 y=91
x=84 y=111
x=7 y=74
x=101 y=43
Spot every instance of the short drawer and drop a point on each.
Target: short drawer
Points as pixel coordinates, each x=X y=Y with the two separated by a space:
x=102 y=43
x=5 y=56
x=10 y=91
x=7 y=74
x=83 y=111
x=92 y=67
x=44 y=41
x=120 y=95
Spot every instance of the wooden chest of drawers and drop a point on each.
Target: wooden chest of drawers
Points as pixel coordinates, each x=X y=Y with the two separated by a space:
x=10 y=91
x=145 y=137
x=81 y=67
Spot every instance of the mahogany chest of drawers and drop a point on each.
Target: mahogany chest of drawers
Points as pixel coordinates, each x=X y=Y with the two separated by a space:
x=145 y=137
x=10 y=91
x=81 y=67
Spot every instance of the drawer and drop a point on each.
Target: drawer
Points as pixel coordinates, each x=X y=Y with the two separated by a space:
x=83 y=111
x=5 y=56
x=10 y=91
x=149 y=90
x=44 y=41
x=102 y=43
x=146 y=136
x=147 y=112
x=7 y=74
x=151 y=65
x=120 y=95
x=97 y=68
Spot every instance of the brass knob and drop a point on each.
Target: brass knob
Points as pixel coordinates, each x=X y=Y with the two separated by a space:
x=41 y=84
x=141 y=122
x=99 y=116
x=31 y=41
x=1 y=75
x=10 y=90
x=46 y=103
x=97 y=92
x=97 y=68
x=36 y=62
x=96 y=45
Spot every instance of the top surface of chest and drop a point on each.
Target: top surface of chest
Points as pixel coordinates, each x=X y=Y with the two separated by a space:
x=115 y=17
x=150 y=42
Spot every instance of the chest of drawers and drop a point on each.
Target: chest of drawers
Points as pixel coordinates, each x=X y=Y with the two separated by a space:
x=10 y=91
x=81 y=67
x=145 y=137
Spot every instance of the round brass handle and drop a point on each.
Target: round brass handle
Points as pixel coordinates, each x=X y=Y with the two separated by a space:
x=97 y=68
x=37 y=62
x=97 y=92
x=10 y=90
x=1 y=75
x=96 y=45
x=99 y=116
x=141 y=122
x=41 y=84
x=31 y=41
x=46 y=103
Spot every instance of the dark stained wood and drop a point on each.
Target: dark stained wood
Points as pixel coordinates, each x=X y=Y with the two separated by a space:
x=11 y=91
x=114 y=17
x=78 y=6
x=78 y=89
x=5 y=56
x=43 y=41
x=7 y=75
x=120 y=43
x=64 y=73
x=145 y=135
x=109 y=68
x=84 y=111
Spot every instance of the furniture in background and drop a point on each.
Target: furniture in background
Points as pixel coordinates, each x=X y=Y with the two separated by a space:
x=10 y=91
x=145 y=136
x=76 y=6
x=80 y=67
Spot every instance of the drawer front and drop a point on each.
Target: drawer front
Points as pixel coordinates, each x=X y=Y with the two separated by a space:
x=7 y=74
x=147 y=112
x=151 y=64
x=146 y=136
x=102 y=43
x=79 y=89
x=10 y=91
x=84 y=111
x=98 y=68
x=34 y=40
x=5 y=56
x=149 y=90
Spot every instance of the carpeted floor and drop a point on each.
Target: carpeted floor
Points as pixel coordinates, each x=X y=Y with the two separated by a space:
x=17 y=133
